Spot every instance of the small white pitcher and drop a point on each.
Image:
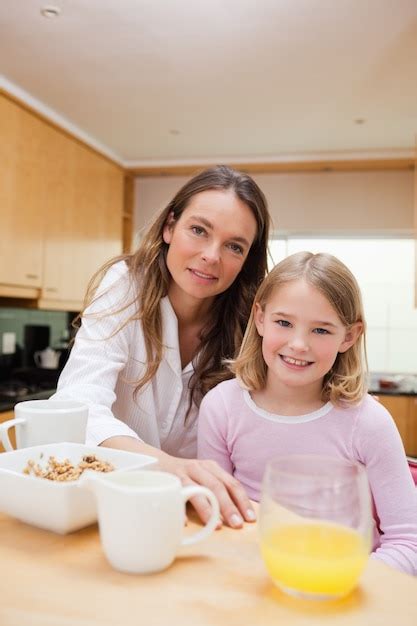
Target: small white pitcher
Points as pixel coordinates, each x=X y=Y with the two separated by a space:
x=48 y=358
x=141 y=517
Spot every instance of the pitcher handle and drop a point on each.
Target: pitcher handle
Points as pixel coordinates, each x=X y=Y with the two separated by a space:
x=4 y=435
x=197 y=490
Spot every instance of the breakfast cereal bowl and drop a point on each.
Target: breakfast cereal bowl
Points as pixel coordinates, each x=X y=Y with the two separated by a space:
x=58 y=505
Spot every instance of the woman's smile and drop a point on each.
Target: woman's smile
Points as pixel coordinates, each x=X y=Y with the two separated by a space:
x=203 y=276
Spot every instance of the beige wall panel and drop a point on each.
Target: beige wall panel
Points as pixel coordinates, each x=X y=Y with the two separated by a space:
x=333 y=202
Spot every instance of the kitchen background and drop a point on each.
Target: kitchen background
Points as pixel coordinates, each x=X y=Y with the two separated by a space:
x=317 y=101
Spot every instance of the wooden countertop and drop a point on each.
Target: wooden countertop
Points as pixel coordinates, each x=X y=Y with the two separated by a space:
x=53 y=580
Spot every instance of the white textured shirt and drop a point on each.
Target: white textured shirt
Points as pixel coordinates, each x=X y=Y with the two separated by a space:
x=107 y=359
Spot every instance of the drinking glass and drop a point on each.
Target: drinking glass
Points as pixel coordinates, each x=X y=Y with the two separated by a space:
x=315 y=525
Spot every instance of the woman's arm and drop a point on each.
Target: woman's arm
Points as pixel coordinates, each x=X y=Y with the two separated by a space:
x=99 y=355
x=235 y=506
x=98 y=358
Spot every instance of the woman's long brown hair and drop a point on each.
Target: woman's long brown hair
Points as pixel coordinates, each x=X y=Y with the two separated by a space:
x=221 y=338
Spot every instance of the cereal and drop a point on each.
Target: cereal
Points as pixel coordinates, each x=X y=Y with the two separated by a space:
x=64 y=471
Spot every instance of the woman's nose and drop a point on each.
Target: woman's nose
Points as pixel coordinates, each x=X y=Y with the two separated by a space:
x=211 y=253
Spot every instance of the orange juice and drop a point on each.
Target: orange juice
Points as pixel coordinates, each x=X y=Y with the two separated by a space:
x=317 y=558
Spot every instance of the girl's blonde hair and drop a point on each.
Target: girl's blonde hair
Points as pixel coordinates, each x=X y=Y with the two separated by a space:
x=347 y=380
x=222 y=336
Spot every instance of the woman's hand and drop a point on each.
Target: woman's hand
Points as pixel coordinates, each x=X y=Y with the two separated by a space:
x=235 y=506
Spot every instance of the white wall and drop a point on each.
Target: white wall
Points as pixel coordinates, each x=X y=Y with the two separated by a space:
x=324 y=202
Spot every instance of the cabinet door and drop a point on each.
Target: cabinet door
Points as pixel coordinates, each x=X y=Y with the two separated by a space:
x=22 y=187
x=412 y=427
x=404 y=411
x=84 y=227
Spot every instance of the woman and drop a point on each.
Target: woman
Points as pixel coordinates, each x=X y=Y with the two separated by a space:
x=155 y=332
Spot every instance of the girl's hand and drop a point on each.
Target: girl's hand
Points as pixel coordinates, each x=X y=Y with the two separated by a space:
x=235 y=506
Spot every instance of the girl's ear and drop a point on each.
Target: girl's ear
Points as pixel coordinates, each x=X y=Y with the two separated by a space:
x=259 y=318
x=351 y=337
x=168 y=228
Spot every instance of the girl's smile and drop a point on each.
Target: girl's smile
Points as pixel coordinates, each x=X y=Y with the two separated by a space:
x=295 y=363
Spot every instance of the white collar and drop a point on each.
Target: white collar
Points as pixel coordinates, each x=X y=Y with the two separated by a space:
x=286 y=419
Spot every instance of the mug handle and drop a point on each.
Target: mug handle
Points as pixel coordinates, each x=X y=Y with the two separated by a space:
x=198 y=490
x=4 y=435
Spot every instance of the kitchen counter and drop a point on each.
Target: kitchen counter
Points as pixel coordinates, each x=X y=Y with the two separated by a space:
x=381 y=391
x=62 y=580
x=404 y=384
x=8 y=405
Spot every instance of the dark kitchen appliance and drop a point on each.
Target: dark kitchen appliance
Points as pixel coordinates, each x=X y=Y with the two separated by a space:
x=27 y=384
x=36 y=337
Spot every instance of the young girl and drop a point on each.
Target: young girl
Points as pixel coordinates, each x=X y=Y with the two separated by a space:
x=156 y=331
x=301 y=386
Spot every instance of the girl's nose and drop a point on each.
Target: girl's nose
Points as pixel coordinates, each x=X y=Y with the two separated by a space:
x=298 y=343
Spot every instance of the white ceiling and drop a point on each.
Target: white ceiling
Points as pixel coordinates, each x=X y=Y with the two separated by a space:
x=175 y=81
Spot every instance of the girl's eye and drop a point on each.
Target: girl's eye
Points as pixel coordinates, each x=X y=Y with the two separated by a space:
x=236 y=248
x=198 y=230
x=283 y=323
x=321 y=331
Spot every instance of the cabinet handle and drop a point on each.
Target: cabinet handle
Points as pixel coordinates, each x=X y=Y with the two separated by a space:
x=51 y=289
x=32 y=276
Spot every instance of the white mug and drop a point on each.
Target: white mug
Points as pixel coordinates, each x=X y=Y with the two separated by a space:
x=39 y=422
x=141 y=517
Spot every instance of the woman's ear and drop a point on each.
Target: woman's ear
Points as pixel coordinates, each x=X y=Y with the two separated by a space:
x=259 y=318
x=352 y=335
x=168 y=228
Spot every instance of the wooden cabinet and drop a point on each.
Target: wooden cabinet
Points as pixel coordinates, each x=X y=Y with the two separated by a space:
x=84 y=225
x=61 y=207
x=21 y=195
x=404 y=411
x=8 y=415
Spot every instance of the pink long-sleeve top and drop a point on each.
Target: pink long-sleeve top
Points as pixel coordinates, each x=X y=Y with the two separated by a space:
x=242 y=437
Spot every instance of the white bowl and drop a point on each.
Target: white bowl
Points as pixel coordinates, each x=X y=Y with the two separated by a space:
x=58 y=506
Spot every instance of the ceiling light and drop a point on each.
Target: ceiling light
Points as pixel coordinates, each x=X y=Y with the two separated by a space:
x=360 y=120
x=50 y=11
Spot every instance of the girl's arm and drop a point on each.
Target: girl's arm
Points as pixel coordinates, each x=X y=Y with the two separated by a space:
x=380 y=448
x=213 y=448
x=212 y=431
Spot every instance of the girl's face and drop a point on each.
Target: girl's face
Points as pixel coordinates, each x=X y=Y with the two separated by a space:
x=208 y=244
x=301 y=336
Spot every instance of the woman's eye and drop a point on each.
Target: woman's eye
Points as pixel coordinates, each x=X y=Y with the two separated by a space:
x=198 y=230
x=283 y=323
x=321 y=331
x=236 y=248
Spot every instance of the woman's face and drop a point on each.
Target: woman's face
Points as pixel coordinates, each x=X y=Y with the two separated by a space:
x=208 y=244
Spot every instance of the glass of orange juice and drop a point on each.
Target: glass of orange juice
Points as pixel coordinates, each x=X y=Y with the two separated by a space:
x=315 y=525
